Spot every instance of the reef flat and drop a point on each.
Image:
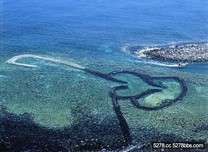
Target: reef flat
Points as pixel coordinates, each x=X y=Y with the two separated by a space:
x=134 y=99
x=184 y=52
x=56 y=107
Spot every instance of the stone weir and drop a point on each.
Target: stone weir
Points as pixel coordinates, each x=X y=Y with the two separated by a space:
x=180 y=53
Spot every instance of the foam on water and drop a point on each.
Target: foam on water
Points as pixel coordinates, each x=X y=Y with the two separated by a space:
x=15 y=58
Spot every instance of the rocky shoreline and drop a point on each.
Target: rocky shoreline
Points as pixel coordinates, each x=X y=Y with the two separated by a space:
x=179 y=53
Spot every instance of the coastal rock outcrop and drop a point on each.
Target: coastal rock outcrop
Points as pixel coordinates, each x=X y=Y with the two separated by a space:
x=181 y=53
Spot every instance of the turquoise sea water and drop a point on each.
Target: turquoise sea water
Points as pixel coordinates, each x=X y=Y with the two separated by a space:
x=93 y=34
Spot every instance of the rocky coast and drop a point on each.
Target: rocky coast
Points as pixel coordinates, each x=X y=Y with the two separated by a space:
x=181 y=53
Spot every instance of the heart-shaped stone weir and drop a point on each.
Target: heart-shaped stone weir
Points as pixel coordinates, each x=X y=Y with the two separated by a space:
x=161 y=96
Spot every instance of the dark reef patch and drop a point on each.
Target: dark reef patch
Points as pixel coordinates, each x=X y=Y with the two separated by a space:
x=20 y=133
x=201 y=127
x=180 y=53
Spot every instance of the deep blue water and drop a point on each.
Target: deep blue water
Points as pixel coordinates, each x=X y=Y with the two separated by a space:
x=100 y=28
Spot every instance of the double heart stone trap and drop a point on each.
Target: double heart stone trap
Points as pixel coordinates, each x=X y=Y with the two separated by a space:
x=136 y=100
